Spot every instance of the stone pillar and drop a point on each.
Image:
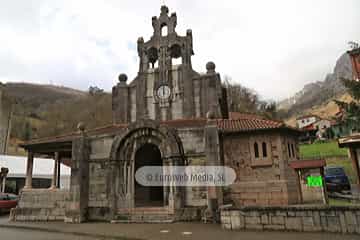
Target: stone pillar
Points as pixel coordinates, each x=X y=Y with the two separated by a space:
x=58 y=166
x=29 y=170
x=212 y=151
x=3 y=184
x=120 y=101
x=76 y=211
x=3 y=174
x=55 y=171
x=176 y=194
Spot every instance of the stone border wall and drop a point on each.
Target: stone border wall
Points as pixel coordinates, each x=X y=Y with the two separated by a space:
x=40 y=205
x=322 y=218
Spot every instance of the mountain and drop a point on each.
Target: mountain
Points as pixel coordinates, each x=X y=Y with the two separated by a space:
x=320 y=93
x=35 y=98
x=48 y=110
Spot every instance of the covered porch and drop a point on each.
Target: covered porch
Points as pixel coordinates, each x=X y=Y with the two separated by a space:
x=59 y=151
x=352 y=142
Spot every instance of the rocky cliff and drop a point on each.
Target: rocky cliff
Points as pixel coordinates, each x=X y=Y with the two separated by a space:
x=321 y=92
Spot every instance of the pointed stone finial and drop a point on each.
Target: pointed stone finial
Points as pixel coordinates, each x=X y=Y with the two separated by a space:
x=210 y=67
x=123 y=78
x=164 y=10
x=81 y=127
x=210 y=115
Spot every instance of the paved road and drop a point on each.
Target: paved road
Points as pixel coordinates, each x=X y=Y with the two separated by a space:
x=176 y=231
x=17 y=234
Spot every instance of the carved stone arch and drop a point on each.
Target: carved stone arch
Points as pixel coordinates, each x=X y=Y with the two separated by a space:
x=122 y=161
x=169 y=142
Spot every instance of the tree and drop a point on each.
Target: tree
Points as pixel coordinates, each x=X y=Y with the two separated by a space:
x=245 y=100
x=27 y=131
x=240 y=98
x=93 y=91
x=351 y=110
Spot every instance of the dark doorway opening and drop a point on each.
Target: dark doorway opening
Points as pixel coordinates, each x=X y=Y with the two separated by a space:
x=145 y=196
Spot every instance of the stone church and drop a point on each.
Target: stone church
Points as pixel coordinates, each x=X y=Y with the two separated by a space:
x=169 y=115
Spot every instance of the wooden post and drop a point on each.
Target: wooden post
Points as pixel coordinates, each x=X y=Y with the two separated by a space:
x=299 y=186
x=355 y=164
x=29 y=170
x=326 y=199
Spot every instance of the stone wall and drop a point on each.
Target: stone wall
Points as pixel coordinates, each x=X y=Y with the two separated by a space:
x=263 y=180
x=98 y=208
x=40 y=205
x=344 y=219
x=192 y=140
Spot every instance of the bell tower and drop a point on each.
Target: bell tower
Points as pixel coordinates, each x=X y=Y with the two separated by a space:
x=166 y=87
x=165 y=45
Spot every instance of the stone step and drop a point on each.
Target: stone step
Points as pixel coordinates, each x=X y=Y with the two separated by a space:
x=146 y=210
x=144 y=218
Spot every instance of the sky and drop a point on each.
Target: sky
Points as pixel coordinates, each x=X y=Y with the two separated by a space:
x=271 y=46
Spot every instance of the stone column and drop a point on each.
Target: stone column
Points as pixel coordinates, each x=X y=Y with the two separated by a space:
x=77 y=207
x=29 y=170
x=58 y=165
x=120 y=101
x=212 y=151
x=3 y=174
x=54 y=177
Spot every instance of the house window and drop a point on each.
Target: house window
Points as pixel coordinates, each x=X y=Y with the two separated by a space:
x=292 y=150
x=264 y=149
x=256 y=150
x=289 y=151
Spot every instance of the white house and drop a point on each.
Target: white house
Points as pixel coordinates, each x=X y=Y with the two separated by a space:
x=307 y=120
x=43 y=169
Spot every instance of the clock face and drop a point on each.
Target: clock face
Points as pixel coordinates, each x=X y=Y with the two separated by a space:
x=164 y=92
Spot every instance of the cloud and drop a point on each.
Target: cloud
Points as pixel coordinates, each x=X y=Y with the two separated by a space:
x=274 y=47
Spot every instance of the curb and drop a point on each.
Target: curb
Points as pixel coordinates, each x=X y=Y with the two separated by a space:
x=51 y=230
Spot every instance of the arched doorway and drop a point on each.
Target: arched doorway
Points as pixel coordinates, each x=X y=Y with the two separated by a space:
x=145 y=196
x=143 y=143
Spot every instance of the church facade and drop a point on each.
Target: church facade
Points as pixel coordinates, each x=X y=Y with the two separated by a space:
x=169 y=115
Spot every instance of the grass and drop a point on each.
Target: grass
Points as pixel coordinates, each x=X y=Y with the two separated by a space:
x=340 y=202
x=326 y=149
x=333 y=155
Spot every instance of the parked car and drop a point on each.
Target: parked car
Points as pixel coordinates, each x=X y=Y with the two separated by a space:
x=336 y=179
x=7 y=202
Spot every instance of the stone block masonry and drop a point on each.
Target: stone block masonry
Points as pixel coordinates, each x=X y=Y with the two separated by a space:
x=40 y=205
x=322 y=218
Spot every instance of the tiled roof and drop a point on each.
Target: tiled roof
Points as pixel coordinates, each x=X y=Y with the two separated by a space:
x=224 y=125
x=112 y=129
x=246 y=125
x=301 y=164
